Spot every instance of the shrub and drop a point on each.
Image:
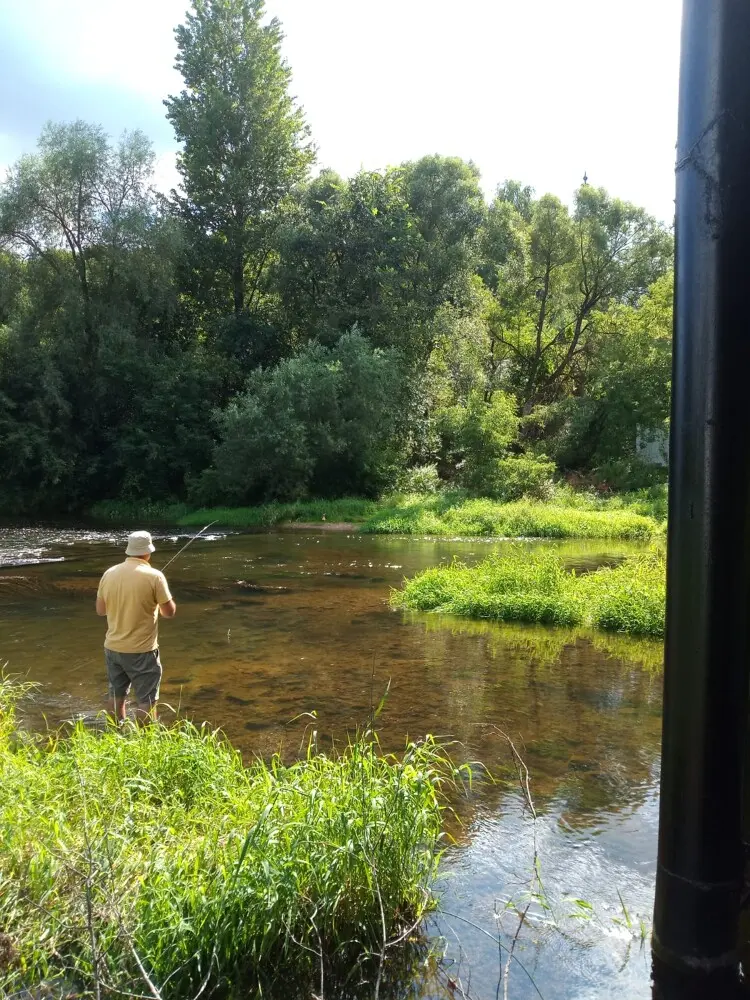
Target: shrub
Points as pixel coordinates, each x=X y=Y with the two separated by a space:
x=476 y=435
x=521 y=476
x=326 y=416
x=420 y=479
x=631 y=474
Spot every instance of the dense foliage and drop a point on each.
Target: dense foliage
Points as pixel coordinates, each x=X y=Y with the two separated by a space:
x=267 y=334
x=152 y=862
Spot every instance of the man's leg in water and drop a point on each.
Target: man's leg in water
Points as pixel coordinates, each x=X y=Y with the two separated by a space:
x=119 y=684
x=146 y=675
x=146 y=713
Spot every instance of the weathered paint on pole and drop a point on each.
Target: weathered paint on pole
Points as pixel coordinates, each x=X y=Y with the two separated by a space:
x=707 y=651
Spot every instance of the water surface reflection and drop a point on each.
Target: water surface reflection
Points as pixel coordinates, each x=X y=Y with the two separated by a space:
x=275 y=625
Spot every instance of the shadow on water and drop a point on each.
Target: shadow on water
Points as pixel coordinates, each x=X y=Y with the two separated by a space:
x=271 y=626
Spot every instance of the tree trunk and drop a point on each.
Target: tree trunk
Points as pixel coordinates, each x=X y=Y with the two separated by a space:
x=531 y=383
x=79 y=260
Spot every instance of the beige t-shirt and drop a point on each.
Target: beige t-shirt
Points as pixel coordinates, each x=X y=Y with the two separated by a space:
x=132 y=592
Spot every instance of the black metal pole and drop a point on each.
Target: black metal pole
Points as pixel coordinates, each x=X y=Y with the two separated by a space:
x=699 y=872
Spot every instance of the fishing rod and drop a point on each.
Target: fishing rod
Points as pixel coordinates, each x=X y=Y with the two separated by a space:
x=189 y=542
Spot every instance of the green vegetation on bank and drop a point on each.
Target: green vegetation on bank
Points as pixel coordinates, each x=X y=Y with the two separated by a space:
x=269 y=333
x=153 y=857
x=126 y=512
x=537 y=587
x=567 y=515
x=523 y=519
x=345 y=510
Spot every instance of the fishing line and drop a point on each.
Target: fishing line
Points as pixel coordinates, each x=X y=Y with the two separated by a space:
x=189 y=542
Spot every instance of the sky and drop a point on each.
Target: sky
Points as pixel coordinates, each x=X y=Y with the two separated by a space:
x=538 y=90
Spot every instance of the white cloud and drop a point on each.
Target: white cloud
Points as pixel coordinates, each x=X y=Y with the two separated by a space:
x=536 y=89
x=105 y=41
x=540 y=90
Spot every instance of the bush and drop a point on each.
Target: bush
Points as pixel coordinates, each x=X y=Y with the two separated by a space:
x=631 y=474
x=521 y=476
x=324 y=419
x=536 y=587
x=154 y=851
x=422 y=479
x=476 y=435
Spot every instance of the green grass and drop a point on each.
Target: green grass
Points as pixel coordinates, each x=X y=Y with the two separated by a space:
x=154 y=854
x=134 y=512
x=440 y=515
x=346 y=509
x=537 y=588
x=446 y=514
x=650 y=502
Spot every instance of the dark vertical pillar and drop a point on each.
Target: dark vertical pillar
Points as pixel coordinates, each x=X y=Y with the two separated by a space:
x=708 y=574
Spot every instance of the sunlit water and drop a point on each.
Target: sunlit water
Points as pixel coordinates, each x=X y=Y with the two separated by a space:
x=272 y=628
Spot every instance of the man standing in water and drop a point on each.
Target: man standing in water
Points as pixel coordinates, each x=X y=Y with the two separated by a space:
x=132 y=595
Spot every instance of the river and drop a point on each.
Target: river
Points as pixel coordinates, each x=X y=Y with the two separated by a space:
x=272 y=628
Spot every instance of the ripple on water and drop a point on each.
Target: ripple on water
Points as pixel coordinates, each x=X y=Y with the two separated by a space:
x=34 y=546
x=258 y=661
x=30 y=546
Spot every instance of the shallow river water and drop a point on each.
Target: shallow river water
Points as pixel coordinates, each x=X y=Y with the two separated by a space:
x=271 y=626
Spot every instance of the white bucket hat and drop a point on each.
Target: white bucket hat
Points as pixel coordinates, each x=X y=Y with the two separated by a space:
x=139 y=544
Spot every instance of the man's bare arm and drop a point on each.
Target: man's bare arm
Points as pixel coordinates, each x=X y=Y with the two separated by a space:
x=101 y=607
x=168 y=610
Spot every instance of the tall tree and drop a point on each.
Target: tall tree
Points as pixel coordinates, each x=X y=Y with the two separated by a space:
x=383 y=251
x=446 y=202
x=99 y=374
x=244 y=141
x=553 y=272
x=78 y=195
x=628 y=388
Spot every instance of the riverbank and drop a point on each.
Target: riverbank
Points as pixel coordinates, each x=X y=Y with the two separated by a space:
x=537 y=587
x=153 y=857
x=566 y=515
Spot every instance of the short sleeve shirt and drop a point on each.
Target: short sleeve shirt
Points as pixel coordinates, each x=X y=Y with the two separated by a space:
x=132 y=592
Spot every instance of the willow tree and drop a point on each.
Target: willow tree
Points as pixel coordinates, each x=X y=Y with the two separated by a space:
x=244 y=140
x=553 y=271
x=78 y=199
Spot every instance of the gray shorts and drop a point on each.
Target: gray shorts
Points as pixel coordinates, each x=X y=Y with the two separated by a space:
x=142 y=670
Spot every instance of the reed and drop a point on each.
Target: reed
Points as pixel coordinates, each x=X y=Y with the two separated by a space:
x=154 y=860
